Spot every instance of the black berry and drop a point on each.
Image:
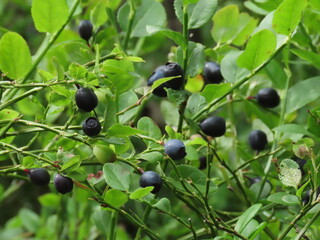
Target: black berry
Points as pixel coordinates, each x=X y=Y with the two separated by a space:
x=257 y=140
x=203 y=162
x=63 y=184
x=212 y=73
x=169 y=70
x=214 y=126
x=149 y=179
x=91 y=127
x=86 y=99
x=306 y=196
x=39 y=176
x=301 y=163
x=268 y=98
x=85 y=29
x=175 y=149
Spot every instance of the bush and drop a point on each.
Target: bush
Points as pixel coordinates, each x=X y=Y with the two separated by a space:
x=95 y=106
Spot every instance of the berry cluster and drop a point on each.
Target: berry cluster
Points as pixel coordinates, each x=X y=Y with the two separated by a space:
x=41 y=177
x=86 y=101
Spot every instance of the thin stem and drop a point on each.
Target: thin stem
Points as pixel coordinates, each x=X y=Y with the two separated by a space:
x=295 y=220
x=192 y=230
x=256 y=158
x=19 y=150
x=185 y=33
x=144 y=219
x=16 y=99
x=223 y=163
x=306 y=227
x=114 y=220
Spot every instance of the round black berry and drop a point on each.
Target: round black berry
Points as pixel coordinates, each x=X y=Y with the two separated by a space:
x=257 y=140
x=175 y=149
x=168 y=70
x=214 y=126
x=203 y=162
x=301 y=163
x=86 y=99
x=212 y=73
x=85 y=29
x=306 y=196
x=268 y=98
x=149 y=179
x=91 y=127
x=39 y=176
x=63 y=184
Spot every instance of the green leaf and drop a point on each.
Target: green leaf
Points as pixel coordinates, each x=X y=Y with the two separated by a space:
x=225 y=23
x=150 y=12
x=119 y=130
x=258 y=50
x=202 y=13
x=141 y=192
x=178 y=9
x=162 y=80
x=50 y=200
x=115 y=198
x=172 y=134
x=123 y=16
x=164 y=205
x=15 y=57
x=196 y=59
x=8 y=114
x=49 y=15
x=99 y=14
x=276 y=74
x=283 y=198
x=77 y=71
x=152 y=157
x=289 y=173
x=258 y=229
x=151 y=130
x=303 y=148
x=175 y=36
x=267 y=117
x=30 y=220
x=120 y=72
x=247 y=216
x=301 y=189
x=192 y=153
x=315 y=4
x=293 y=128
x=288 y=15
x=101 y=218
x=71 y=164
x=246 y=25
x=297 y=97
x=117 y=175
x=186 y=2
x=133 y=59
x=197 y=141
x=308 y=56
x=229 y=68
x=214 y=91
x=177 y=97
x=195 y=103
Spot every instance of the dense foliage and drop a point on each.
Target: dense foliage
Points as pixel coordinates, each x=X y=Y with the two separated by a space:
x=154 y=119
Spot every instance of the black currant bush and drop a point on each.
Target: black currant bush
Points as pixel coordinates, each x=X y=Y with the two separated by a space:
x=141 y=155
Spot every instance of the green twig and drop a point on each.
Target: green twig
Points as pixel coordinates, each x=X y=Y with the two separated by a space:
x=113 y=230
